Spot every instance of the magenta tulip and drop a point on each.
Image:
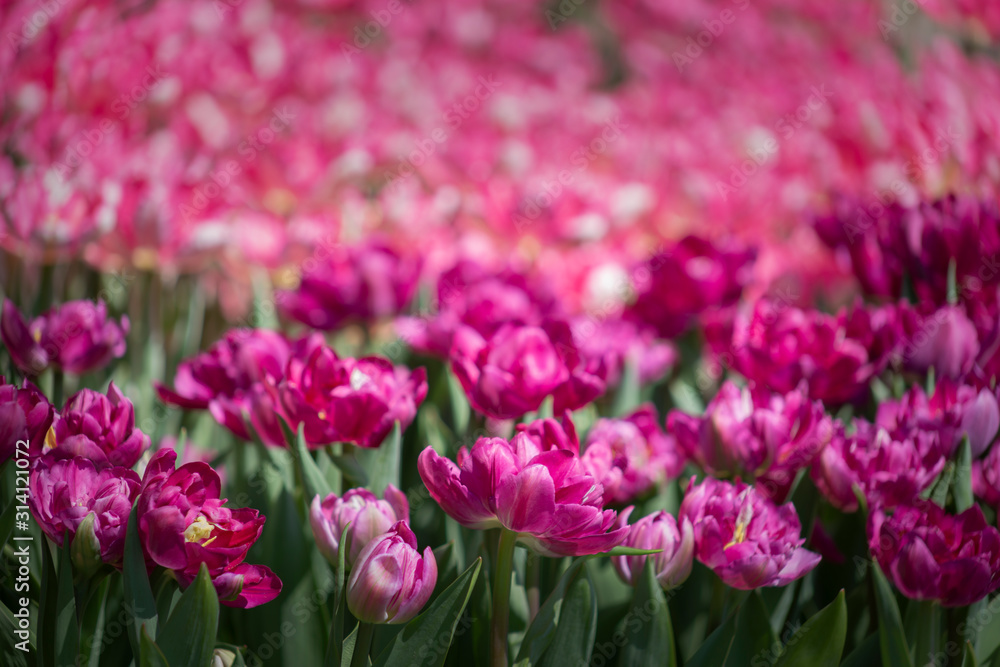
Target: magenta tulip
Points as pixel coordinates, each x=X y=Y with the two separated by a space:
x=77 y=337
x=64 y=492
x=363 y=516
x=672 y=564
x=889 y=470
x=228 y=381
x=743 y=537
x=755 y=434
x=183 y=523
x=546 y=497
x=100 y=428
x=391 y=580
x=347 y=400
x=631 y=456
x=25 y=416
x=986 y=478
x=932 y=555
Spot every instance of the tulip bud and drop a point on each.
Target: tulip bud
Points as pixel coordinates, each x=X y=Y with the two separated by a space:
x=85 y=549
x=672 y=565
x=223 y=658
x=368 y=517
x=391 y=581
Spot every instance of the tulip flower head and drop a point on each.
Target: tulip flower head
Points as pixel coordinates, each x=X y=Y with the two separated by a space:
x=660 y=530
x=98 y=427
x=391 y=580
x=358 y=512
x=25 y=416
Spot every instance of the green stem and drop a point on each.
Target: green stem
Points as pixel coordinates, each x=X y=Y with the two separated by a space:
x=501 y=597
x=928 y=633
x=57 y=387
x=532 y=576
x=363 y=645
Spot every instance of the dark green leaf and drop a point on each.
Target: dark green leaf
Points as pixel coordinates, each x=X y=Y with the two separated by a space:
x=646 y=628
x=573 y=641
x=313 y=479
x=820 y=642
x=10 y=655
x=866 y=654
x=335 y=645
x=753 y=637
x=627 y=398
x=349 y=642
x=892 y=641
x=67 y=637
x=425 y=640
x=188 y=636
x=628 y=551
x=150 y=654
x=963 y=477
x=138 y=596
x=92 y=626
x=715 y=651
x=382 y=463
x=969 y=656
x=541 y=631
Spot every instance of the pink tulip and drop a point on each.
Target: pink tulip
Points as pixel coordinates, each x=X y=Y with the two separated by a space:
x=986 y=478
x=932 y=555
x=77 y=337
x=25 y=416
x=888 y=469
x=631 y=456
x=64 y=492
x=391 y=581
x=672 y=565
x=347 y=400
x=183 y=523
x=361 y=514
x=547 y=497
x=100 y=428
x=743 y=537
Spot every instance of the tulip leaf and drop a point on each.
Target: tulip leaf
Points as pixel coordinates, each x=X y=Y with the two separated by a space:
x=349 y=643
x=335 y=645
x=753 y=635
x=892 y=640
x=963 y=477
x=92 y=626
x=460 y=409
x=969 y=656
x=628 y=397
x=138 y=595
x=382 y=463
x=716 y=648
x=573 y=641
x=822 y=648
x=867 y=653
x=150 y=655
x=67 y=637
x=646 y=628
x=541 y=631
x=313 y=479
x=628 y=551
x=188 y=635
x=10 y=655
x=425 y=640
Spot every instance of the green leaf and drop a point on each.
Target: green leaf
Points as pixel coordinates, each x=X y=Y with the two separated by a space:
x=628 y=551
x=649 y=636
x=138 y=596
x=541 y=631
x=715 y=650
x=753 y=636
x=628 y=397
x=866 y=654
x=963 y=477
x=335 y=645
x=9 y=654
x=576 y=630
x=425 y=640
x=188 y=636
x=824 y=647
x=939 y=493
x=382 y=463
x=460 y=410
x=92 y=626
x=349 y=643
x=67 y=637
x=892 y=640
x=150 y=654
x=969 y=656
x=313 y=479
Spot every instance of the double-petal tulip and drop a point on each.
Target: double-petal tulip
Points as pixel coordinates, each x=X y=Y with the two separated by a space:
x=183 y=523
x=361 y=514
x=391 y=580
x=932 y=555
x=756 y=434
x=986 y=478
x=547 y=497
x=660 y=530
x=632 y=455
x=743 y=537
x=347 y=400
x=888 y=469
x=98 y=427
x=64 y=492
x=228 y=380
x=25 y=416
x=76 y=337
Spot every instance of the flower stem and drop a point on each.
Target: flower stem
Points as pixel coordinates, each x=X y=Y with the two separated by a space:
x=532 y=576
x=363 y=645
x=501 y=597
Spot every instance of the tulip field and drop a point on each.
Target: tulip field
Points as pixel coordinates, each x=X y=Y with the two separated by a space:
x=508 y=333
